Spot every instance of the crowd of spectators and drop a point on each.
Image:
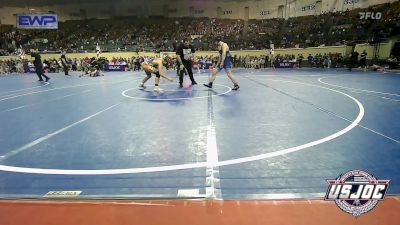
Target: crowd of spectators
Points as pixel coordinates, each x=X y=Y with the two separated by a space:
x=203 y=63
x=161 y=34
x=11 y=66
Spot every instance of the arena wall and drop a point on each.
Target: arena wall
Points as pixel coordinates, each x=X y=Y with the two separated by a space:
x=383 y=53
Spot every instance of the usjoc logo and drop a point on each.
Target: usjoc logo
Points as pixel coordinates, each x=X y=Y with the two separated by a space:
x=34 y=21
x=356 y=192
x=284 y=64
x=370 y=15
x=114 y=67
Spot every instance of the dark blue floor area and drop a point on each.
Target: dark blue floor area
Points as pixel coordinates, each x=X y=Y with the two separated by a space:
x=105 y=137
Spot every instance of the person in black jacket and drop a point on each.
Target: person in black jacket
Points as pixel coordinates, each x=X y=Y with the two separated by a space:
x=37 y=62
x=184 y=55
x=353 y=60
x=64 y=63
x=363 y=60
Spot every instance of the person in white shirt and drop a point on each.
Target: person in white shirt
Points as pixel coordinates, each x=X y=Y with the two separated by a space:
x=98 y=50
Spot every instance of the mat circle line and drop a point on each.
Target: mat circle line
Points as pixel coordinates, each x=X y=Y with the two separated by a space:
x=202 y=164
x=123 y=93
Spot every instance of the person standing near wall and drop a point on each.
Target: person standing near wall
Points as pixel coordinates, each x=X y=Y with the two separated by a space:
x=272 y=58
x=363 y=60
x=98 y=50
x=300 y=58
x=37 y=62
x=353 y=60
x=64 y=63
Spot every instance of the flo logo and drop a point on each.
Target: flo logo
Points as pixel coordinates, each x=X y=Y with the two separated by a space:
x=356 y=192
x=370 y=15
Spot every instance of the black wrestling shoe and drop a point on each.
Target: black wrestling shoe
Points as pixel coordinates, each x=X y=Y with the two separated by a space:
x=236 y=87
x=180 y=86
x=47 y=79
x=194 y=83
x=142 y=87
x=208 y=85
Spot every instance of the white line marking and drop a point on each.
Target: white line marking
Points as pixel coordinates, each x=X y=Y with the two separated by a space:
x=55 y=99
x=102 y=172
x=300 y=147
x=377 y=96
x=366 y=128
x=45 y=84
x=16 y=108
x=276 y=75
x=48 y=136
x=101 y=202
x=212 y=152
x=174 y=99
x=199 y=164
x=378 y=133
x=188 y=193
x=60 y=88
x=212 y=155
x=355 y=89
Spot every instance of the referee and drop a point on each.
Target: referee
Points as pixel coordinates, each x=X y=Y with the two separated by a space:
x=37 y=62
x=184 y=55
